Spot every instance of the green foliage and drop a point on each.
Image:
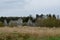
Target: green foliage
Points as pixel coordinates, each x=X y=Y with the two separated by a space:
x=1 y=24
x=40 y=20
x=49 y=22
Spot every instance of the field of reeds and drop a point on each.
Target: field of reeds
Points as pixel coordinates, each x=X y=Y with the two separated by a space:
x=29 y=33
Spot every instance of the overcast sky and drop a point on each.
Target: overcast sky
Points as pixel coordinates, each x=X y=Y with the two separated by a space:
x=27 y=7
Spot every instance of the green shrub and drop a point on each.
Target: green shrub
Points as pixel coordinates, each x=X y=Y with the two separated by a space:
x=1 y=24
x=49 y=22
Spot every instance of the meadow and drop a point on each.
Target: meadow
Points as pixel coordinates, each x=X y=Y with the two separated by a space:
x=29 y=33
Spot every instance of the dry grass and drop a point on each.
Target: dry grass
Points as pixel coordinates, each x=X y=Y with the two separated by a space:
x=32 y=31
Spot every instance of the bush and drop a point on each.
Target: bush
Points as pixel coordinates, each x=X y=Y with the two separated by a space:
x=1 y=24
x=49 y=22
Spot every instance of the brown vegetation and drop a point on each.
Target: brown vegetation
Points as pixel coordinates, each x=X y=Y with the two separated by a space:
x=32 y=31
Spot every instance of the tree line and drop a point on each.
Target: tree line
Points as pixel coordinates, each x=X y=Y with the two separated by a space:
x=40 y=20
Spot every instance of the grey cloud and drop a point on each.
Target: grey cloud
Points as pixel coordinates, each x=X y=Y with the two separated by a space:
x=12 y=4
x=26 y=7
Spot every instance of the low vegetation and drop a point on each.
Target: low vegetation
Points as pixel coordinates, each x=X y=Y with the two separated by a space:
x=29 y=33
x=1 y=24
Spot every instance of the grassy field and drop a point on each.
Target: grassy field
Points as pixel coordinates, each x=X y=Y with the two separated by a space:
x=29 y=33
